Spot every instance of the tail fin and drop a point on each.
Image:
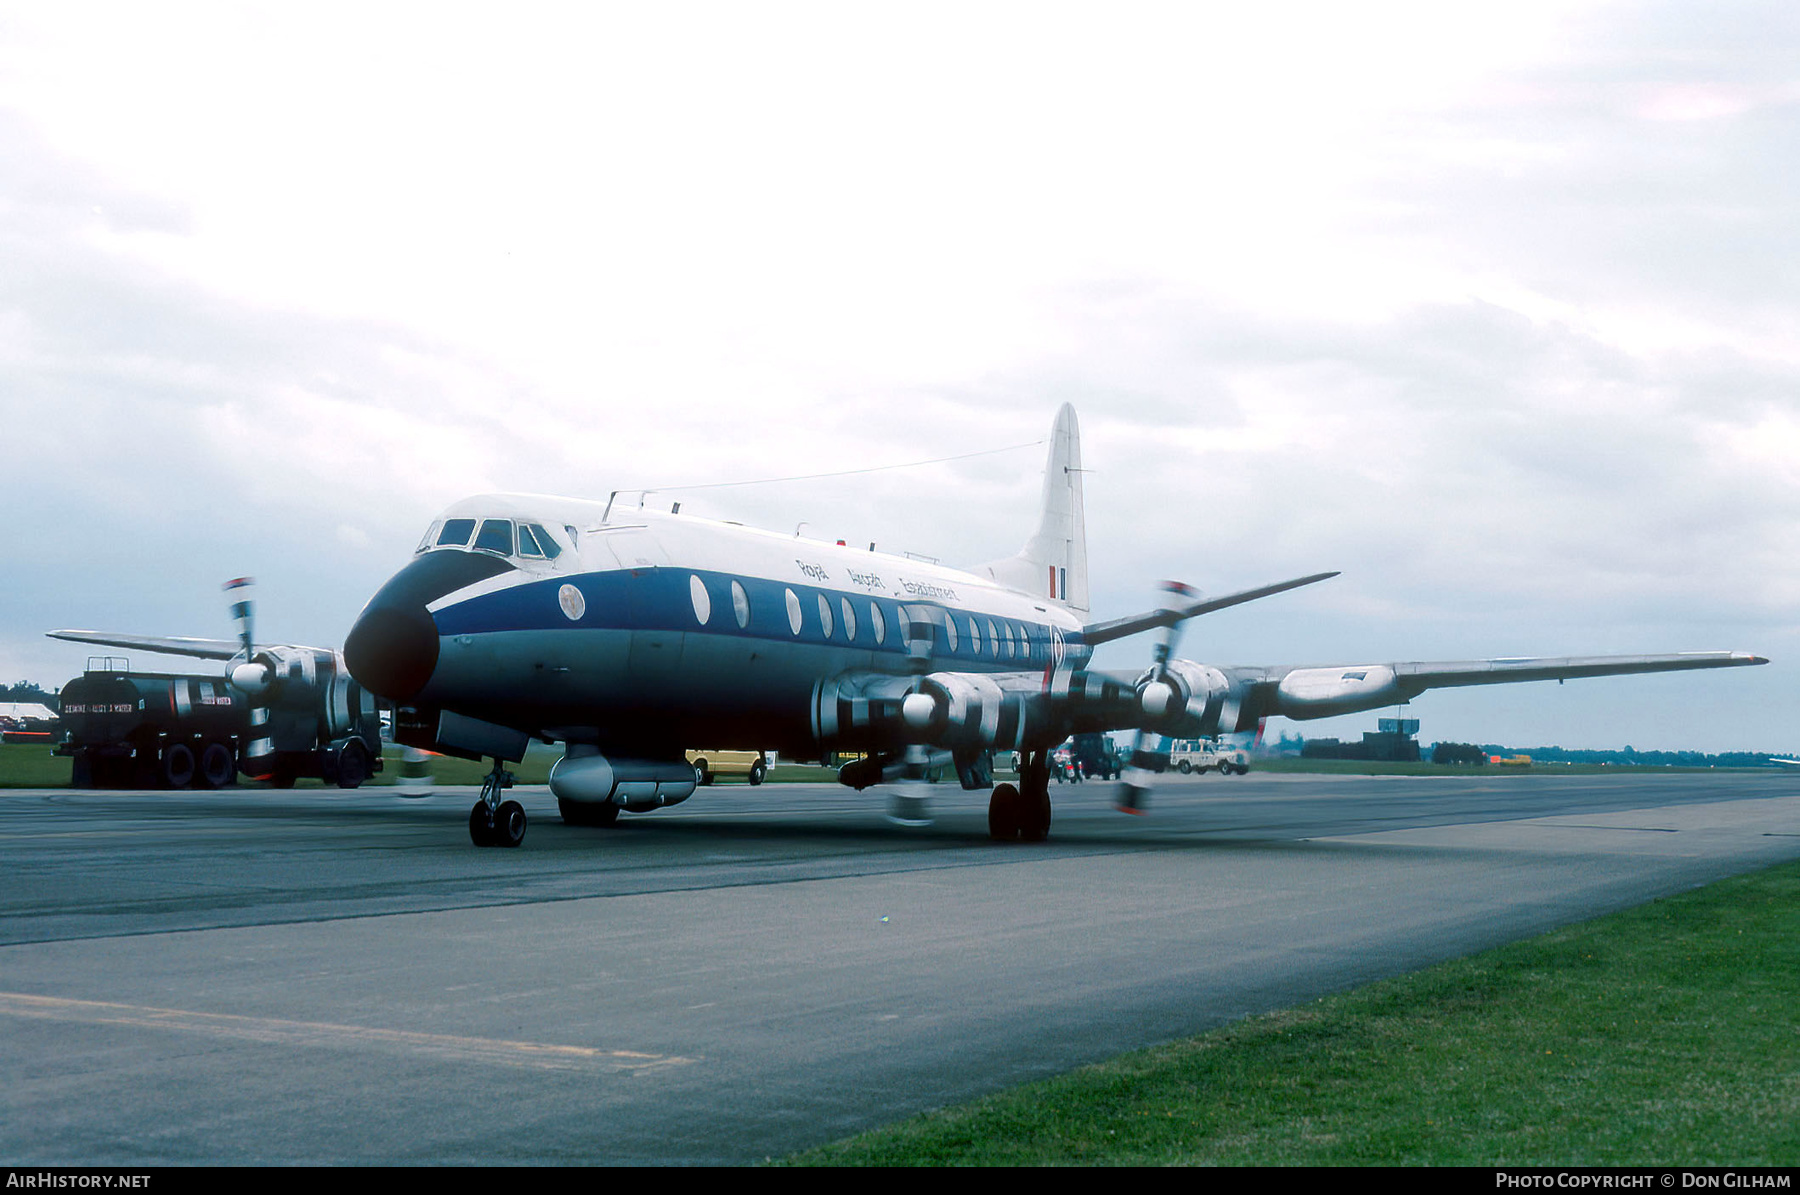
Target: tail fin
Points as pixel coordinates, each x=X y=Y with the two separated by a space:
x=1053 y=563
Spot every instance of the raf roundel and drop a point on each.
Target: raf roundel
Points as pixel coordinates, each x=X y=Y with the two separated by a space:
x=573 y=604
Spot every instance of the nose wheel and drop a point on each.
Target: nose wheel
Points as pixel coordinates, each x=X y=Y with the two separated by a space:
x=493 y=822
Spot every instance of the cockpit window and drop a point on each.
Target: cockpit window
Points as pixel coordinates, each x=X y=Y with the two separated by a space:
x=528 y=544
x=456 y=532
x=551 y=548
x=496 y=536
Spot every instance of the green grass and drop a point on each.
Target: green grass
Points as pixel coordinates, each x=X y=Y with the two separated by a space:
x=1669 y=1033
x=33 y=766
x=29 y=765
x=1371 y=767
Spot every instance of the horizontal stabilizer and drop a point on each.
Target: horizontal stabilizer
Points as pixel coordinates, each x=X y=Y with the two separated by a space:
x=1119 y=628
x=205 y=649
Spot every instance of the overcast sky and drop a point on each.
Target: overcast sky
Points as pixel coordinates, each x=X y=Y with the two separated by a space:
x=1498 y=312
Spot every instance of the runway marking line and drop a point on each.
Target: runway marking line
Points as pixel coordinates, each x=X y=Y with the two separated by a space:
x=535 y=1055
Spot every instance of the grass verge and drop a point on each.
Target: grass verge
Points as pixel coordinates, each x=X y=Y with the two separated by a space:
x=1668 y=1033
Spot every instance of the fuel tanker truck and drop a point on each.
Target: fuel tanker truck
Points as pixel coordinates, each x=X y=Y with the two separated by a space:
x=273 y=713
x=151 y=729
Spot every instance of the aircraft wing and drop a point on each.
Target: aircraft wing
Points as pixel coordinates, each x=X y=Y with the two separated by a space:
x=175 y=645
x=1179 y=611
x=967 y=711
x=1315 y=692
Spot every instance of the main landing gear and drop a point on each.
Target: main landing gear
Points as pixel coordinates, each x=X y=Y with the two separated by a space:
x=494 y=822
x=1022 y=814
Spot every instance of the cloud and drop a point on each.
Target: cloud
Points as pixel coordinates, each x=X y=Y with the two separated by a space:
x=1494 y=312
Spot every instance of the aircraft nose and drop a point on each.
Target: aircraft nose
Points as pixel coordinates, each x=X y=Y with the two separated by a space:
x=393 y=648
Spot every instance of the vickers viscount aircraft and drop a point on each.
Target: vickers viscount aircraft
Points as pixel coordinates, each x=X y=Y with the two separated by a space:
x=630 y=635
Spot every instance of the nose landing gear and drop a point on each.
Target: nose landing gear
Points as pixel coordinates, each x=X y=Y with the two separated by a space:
x=493 y=822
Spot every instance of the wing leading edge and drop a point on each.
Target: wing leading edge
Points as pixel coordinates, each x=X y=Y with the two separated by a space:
x=168 y=645
x=1315 y=692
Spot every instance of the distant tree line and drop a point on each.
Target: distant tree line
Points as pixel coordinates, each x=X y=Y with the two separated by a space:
x=1630 y=755
x=26 y=692
x=1477 y=755
x=1461 y=753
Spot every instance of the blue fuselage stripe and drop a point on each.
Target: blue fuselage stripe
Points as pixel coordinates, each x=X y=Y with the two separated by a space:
x=659 y=599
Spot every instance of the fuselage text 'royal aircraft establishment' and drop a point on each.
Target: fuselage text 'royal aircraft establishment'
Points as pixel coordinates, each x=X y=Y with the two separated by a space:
x=631 y=636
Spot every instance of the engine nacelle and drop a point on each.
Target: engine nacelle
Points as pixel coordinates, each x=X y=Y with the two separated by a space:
x=299 y=697
x=956 y=711
x=964 y=711
x=586 y=777
x=1325 y=692
x=1189 y=700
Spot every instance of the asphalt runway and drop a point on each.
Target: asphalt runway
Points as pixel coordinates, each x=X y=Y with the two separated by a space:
x=316 y=976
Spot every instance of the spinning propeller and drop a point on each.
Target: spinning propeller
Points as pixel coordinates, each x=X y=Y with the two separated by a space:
x=255 y=677
x=1155 y=698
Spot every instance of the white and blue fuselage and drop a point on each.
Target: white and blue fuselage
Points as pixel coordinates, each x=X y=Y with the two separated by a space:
x=646 y=632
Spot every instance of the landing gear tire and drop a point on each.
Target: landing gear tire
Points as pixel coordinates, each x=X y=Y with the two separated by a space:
x=178 y=766
x=481 y=825
x=1003 y=813
x=1034 y=817
x=581 y=813
x=352 y=766
x=509 y=824
x=217 y=767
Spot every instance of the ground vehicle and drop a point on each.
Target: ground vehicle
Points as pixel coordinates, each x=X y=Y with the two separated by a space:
x=1065 y=766
x=1097 y=758
x=710 y=765
x=1199 y=755
x=127 y=729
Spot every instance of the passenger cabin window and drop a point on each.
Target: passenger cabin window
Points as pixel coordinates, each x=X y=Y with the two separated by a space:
x=950 y=629
x=740 y=605
x=825 y=615
x=456 y=533
x=496 y=536
x=877 y=624
x=849 y=618
x=702 y=600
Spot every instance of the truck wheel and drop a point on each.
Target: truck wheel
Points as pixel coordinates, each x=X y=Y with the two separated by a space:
x=352 y=766
x=1185 y=767
x=757 y=771
x=217 y=768
x=178 y=765
x=702 y=776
